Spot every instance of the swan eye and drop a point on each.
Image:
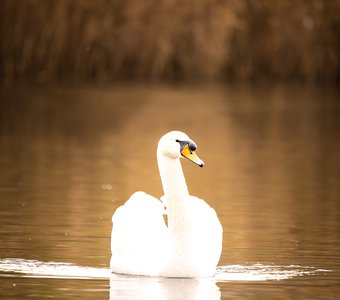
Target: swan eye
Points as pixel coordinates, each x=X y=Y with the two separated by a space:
x=192 y=146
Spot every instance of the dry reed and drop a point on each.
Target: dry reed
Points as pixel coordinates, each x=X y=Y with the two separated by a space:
x=98 y=41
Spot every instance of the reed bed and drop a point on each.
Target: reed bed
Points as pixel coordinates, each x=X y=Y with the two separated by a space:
x=152 y=40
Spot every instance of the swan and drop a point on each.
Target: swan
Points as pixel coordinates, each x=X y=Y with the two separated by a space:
x=188 y=243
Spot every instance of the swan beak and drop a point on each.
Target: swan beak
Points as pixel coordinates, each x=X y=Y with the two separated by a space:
x=191 y=155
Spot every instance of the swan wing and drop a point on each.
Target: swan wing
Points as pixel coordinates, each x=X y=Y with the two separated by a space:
x=206 y=234
x=138 y=236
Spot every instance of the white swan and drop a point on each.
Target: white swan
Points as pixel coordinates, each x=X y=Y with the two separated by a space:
x=189 y=246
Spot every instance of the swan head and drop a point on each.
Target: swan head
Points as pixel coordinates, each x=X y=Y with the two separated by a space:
x=176 y=144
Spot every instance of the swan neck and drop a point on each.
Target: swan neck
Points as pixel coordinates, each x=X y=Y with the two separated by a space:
x=175 y=190
x=172 y=177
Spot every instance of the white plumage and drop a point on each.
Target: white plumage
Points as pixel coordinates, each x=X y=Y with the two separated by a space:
x=191 y=244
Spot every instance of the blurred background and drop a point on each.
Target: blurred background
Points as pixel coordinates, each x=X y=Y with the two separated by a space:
x=177 y=41
x=88 y=88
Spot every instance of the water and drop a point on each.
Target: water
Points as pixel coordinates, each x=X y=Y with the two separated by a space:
x=70 y=156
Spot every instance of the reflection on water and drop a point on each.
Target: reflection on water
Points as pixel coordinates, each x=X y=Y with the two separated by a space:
x=138 y=287
x=260 y=272
x=256 y=272
x=70 y=157
x=35 y=268
x=125 y=287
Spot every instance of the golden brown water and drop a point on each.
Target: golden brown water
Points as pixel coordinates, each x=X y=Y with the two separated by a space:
x=70 y=157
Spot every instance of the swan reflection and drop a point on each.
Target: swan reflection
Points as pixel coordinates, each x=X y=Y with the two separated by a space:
x=153 y=288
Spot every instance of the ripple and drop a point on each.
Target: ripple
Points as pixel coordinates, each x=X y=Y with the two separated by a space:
x=35 y=268
x=260 y=272
x=254 y=272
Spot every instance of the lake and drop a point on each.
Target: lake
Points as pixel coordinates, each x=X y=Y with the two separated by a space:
x=70 y=156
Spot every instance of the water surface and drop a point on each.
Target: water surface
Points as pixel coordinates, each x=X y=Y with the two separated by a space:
x=70 y=157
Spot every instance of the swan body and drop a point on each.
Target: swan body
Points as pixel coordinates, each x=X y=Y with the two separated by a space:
x=189 y=245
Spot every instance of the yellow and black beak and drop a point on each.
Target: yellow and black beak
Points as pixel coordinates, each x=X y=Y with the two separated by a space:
x=188 y=151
